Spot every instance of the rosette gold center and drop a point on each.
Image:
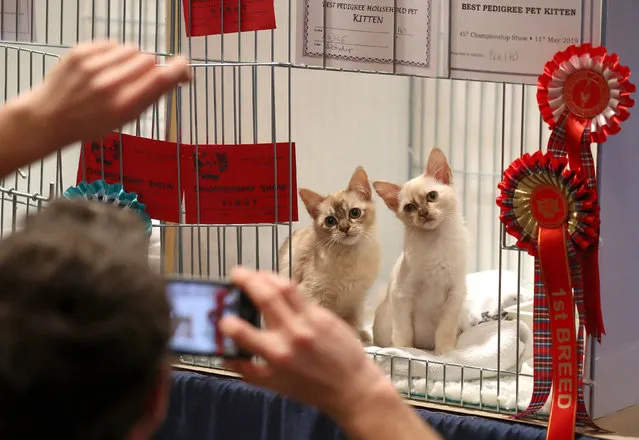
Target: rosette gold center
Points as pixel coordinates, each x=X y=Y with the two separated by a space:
x=522 y=202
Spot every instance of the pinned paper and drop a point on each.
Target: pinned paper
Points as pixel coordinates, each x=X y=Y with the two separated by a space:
x=17 y=20
x=240 y=184
x=145 y=166
x=213 y=17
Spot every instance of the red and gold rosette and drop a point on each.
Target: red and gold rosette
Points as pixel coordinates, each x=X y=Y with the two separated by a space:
x=549 y=209
x=584 y=95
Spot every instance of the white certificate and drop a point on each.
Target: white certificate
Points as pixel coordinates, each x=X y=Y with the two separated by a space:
x=17 y=18
x=506 y=40
x=400 y=36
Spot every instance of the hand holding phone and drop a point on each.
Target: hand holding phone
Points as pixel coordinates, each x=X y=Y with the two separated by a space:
x=197 y=307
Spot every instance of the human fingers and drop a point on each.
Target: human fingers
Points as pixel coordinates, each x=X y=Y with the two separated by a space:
x=295 y=298
x=261 y=343
x=110 y=58
x=147 y=89
x=124 y=69
x=289 y=291
x=83 y=50
x=180 y=67
x=266 y=293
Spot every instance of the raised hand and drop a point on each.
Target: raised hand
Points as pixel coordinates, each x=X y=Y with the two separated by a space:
x=98 y=87
x=311 y=355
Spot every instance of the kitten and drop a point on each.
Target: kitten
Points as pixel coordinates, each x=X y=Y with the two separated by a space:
x=336 y=260
x=422 y=305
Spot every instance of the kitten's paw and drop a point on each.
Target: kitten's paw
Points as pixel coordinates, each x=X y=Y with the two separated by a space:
x=445 y=348
x=445 y=343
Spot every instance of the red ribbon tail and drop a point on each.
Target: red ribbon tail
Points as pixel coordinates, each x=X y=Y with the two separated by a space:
x=592 y=293
x=574 y=132
x=553 y=257
x=590 y=265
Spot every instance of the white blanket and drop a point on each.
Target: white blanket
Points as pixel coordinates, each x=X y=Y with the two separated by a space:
x=477 y=350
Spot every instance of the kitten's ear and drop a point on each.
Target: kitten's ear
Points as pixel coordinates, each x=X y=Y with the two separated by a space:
x=389 y=192
x=312 y=201
x=438 y=167
x=359 y=184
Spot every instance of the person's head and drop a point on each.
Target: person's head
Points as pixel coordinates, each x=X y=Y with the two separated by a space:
x=84 y=327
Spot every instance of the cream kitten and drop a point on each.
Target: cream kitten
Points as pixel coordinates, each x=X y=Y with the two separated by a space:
x=422 y=305
x=336 y=260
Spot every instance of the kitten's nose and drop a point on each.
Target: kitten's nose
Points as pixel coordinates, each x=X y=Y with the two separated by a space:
x=345 y=228
x=423 y=213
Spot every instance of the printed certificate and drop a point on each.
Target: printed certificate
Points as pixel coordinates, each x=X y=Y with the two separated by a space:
x=400 y=36
x=17 y=18
x=506 y=40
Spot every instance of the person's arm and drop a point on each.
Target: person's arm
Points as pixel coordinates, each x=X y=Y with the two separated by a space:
x=97 y=87
x=314 y=357
x=21 y=136
x=384 y=416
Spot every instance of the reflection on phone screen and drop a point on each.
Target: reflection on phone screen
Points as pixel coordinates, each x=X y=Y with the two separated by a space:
x=197 y=308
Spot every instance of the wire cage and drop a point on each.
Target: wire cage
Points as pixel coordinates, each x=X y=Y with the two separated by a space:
x=247 y=89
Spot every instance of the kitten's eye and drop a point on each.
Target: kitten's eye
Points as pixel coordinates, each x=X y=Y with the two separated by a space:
x=409 y=207
x=431 y=196
x=355 y=213
x=330 y=221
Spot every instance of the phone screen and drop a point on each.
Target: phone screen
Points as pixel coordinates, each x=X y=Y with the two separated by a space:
x=197 y=307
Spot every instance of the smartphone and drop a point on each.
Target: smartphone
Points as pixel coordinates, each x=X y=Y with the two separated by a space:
x=196 y=309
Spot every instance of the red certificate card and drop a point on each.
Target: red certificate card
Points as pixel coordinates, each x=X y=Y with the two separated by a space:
x=149 y=167
x=204 y=17
x=238 y=185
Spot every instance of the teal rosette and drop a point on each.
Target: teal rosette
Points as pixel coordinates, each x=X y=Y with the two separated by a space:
x=115 y=194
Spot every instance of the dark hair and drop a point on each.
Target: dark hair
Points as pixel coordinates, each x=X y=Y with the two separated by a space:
x=84 y=324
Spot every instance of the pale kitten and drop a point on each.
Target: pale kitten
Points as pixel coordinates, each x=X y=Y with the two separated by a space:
x=336 y=260
x=422 y=305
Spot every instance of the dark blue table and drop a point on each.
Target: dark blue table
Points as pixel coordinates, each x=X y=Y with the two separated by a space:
x=213 y=408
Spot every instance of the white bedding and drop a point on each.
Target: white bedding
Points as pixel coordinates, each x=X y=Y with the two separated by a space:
x=474 y=384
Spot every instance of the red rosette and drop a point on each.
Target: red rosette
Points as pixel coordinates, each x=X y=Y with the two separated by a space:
x=530 y=172
x=584 y=94
x=590 y=85
x=549 y=207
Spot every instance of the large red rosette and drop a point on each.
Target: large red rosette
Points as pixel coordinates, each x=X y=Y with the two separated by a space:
x=584 y=95
x=528 y=175
x=551 y=211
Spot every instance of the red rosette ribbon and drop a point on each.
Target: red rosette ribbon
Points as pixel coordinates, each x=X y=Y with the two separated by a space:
x=584 y=95
x=592 y=87
x=551 y=211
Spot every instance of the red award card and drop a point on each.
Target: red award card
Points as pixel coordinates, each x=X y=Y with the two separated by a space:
x=238 y=184
x=204 y=17
x=150 y=169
